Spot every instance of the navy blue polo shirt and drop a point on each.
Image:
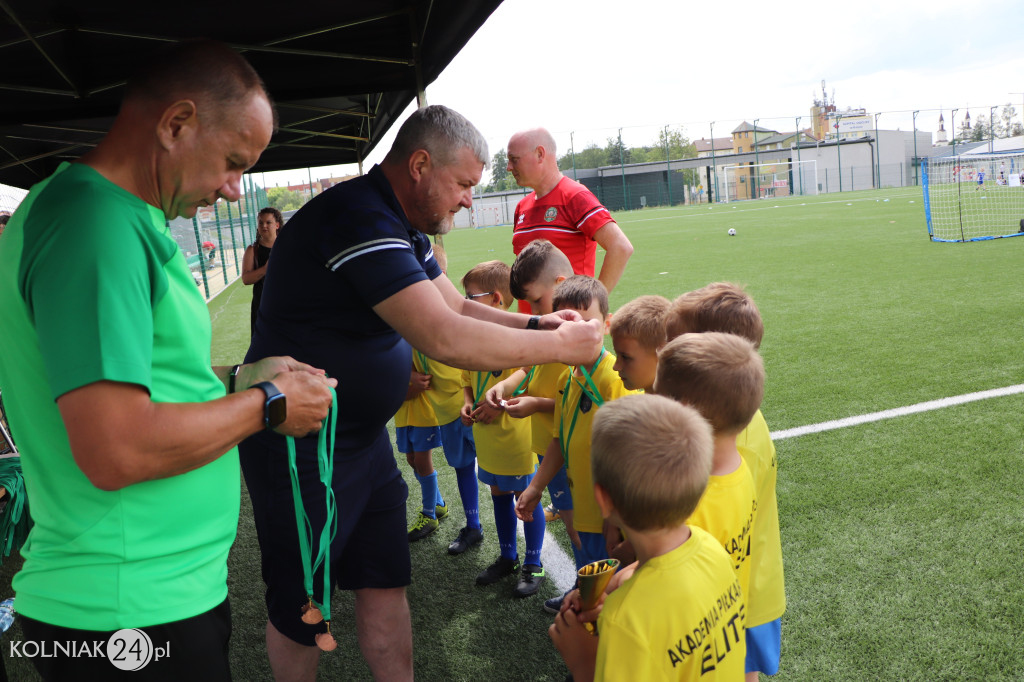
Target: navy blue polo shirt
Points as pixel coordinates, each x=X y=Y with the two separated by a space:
x=344 y=252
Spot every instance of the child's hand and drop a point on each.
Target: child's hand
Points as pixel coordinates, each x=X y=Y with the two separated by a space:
x=577 y=646
x=418 y=383
x=521 y=407
x=622 y=576
x=573 y=603
x=465 y=414
x=526 y=503
x=485 y=414
x=612 y=535
x=494 y=395
x=624 y=552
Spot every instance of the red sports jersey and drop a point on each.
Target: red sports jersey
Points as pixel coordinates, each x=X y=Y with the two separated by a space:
x=567 y=216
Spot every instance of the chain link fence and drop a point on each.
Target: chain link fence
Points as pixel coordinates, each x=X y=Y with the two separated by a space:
x=213 y=242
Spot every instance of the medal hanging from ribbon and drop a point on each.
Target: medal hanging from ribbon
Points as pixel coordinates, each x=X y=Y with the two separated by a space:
x=313 y=611
x=587 y=391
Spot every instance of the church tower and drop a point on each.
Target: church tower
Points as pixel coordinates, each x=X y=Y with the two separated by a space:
x=940 y=137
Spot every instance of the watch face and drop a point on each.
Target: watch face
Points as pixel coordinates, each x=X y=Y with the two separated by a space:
x=276 y=411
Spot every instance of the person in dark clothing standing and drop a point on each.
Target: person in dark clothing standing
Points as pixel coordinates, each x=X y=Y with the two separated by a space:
x=254 y=262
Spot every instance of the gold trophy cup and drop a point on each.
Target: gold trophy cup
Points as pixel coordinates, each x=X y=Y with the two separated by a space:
x=594 y=578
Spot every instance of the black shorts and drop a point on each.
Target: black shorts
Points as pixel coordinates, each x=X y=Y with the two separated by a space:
x=194 y=648
x=370 y=549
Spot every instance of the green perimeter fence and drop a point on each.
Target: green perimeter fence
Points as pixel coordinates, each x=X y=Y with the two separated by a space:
x=213 y=242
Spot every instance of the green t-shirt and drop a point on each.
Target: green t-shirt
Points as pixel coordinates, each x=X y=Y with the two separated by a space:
x=93 y=287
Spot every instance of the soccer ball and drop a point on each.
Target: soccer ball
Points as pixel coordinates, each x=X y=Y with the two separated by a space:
x=732 y=232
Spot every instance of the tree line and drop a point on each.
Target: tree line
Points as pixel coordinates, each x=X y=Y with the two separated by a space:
x=985 y=129
x=671 y=144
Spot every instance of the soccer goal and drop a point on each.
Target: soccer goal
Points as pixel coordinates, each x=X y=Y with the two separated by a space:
x=973 y=197
x=771 y=179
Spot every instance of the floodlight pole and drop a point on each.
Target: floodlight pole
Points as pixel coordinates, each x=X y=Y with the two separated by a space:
x=622 y=167
x=991 y=128
x=668 y=165
x=713 y=169
x=952 y=126
x=916 y=160
x=572 y=148
x=799 y=169
x=757 y=162
x=878 y=157
x=839 y=153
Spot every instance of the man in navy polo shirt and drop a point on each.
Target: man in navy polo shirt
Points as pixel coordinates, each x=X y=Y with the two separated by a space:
x=352 y=283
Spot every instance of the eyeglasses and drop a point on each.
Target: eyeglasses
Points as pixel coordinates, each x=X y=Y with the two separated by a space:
x=470 y=297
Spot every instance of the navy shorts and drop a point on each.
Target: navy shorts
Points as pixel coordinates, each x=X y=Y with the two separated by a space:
x=459 y=446
x=370 y=550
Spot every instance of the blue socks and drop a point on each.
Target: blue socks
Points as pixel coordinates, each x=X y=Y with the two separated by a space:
x=469 y=491
x=431 y=495
x=534 y=531
x=505 y=523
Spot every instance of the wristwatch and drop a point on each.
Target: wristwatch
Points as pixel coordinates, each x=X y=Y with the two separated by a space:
x=533 y=322
x=275 y=409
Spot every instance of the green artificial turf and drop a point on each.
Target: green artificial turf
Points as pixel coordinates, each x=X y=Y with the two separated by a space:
x=901 y=538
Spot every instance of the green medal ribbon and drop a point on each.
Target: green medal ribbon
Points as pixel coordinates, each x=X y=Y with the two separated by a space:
x=481 y=386
x=521 y=388
x=595 y=397
x=423 y=361
x=325 y=464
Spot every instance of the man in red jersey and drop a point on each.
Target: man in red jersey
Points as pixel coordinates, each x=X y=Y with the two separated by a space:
x=562 y=210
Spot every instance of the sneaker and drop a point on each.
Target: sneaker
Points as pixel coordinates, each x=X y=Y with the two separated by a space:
x=498 y=570
x=530 y=580
x=554 y=605
x=423 y=527
x=551 y=514
x=467 y=538
x=441 y=511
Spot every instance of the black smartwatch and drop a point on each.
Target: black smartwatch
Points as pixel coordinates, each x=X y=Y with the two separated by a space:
x=275 y=409
x=534 y=322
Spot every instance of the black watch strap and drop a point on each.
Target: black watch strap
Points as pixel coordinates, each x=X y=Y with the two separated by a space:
x=534 y=322
x=231 y=378
x=275 y=407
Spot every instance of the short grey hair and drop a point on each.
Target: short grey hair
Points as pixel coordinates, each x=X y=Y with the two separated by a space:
x=442 y=132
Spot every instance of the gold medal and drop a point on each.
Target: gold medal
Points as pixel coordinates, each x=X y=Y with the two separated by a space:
x=311 y=615
x=326 y=641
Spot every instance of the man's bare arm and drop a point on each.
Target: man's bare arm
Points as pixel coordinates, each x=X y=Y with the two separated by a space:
x=618 y=250
x=119 y=436
x=423 y=316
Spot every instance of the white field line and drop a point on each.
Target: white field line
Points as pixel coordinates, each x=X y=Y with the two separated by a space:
x=561 y=568
x=898 y=412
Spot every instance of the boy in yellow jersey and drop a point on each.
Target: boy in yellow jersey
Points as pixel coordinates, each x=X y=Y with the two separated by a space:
x=416 y=435
x=638 y=333
x=722 y=377
x=725 y=307
x=441 y=387
x=506 y=461
x=680 y=615
x=584 y=390
x=537 y=270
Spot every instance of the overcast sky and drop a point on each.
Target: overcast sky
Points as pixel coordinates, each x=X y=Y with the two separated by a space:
x=593 y=67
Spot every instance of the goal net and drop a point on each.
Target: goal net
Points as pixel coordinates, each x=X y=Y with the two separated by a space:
x=771 y=179
x=974 y=197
